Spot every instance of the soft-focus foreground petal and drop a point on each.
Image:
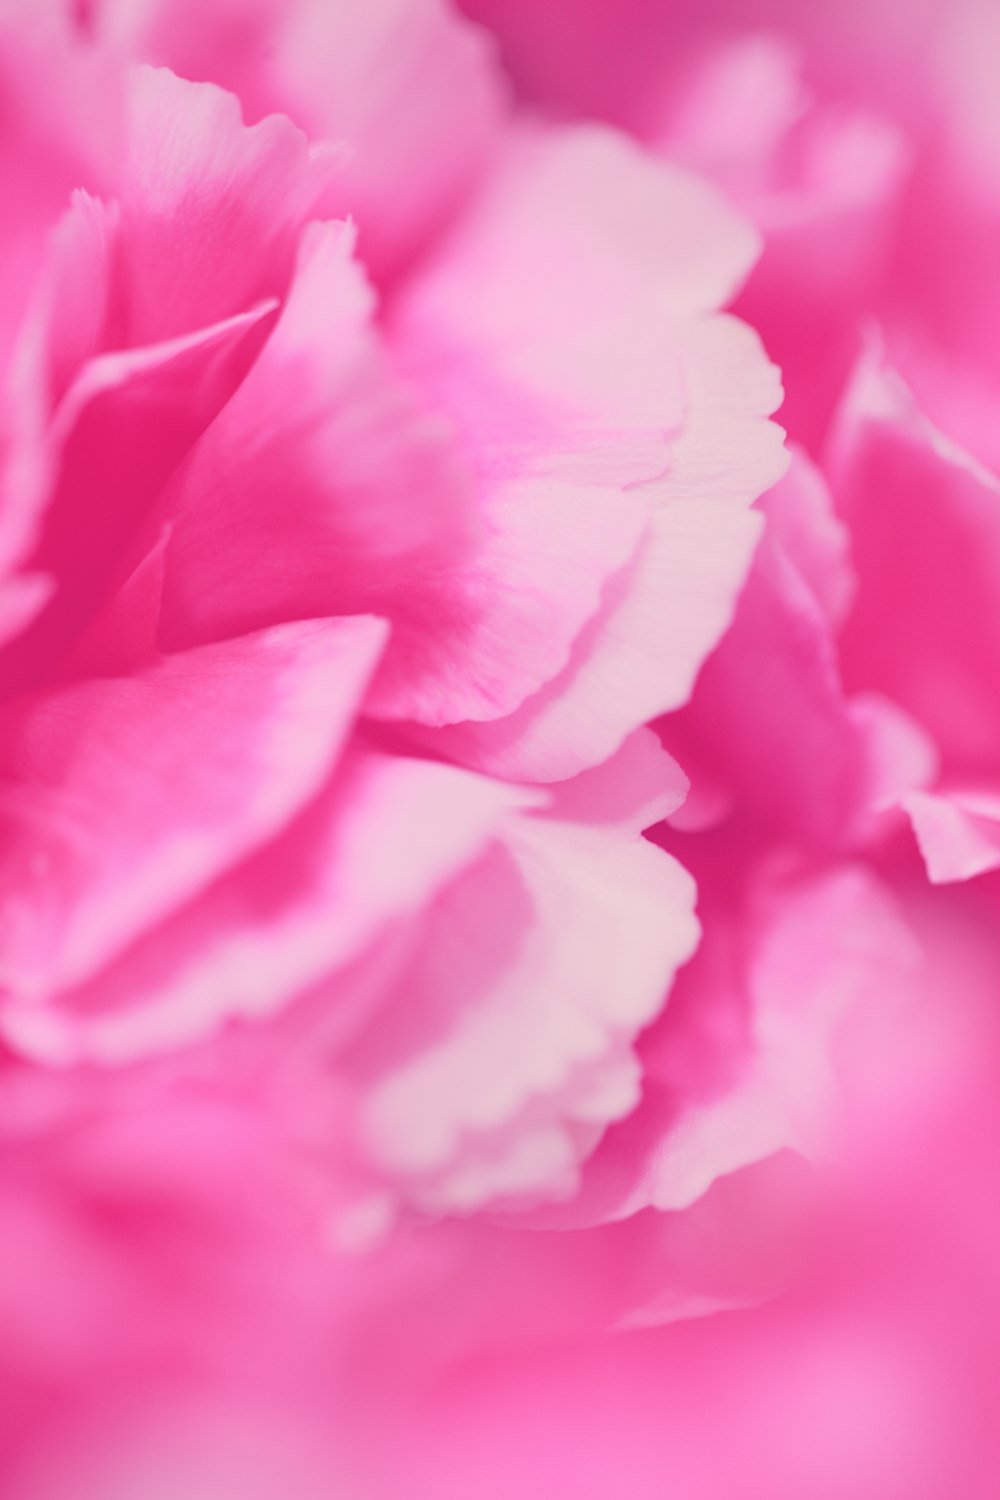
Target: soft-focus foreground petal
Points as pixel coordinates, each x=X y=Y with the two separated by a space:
x=154 y=1243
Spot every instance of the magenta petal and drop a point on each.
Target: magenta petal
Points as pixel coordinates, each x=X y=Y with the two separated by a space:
x=324 y=487
x=925 y=526
x=116 y=436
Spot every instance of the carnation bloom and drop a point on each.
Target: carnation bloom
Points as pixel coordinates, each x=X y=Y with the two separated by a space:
x=344 y=561
x=479 y=816
x=304 y=565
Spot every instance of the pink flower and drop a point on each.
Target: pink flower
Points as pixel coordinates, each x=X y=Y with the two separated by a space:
x=498 y=873
x=343 y=565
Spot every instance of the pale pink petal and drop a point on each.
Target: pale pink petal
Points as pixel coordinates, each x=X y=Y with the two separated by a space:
x=723 y=93
x=78 y=286
x=476 y=641
x=662 y=614
x=641 y=228
x=744 y=1061
x=635 y=788
x=210 y=209
x=242 y=734
x=583 y=422
x=828 y=955
x=525 y=988
x=637 y=658
x=958 y=832
x=383 y=836
x=823 y=182
x=407 y=85
x=570 y=386
x=615 y=374
x=565 y=377
x=354 y=72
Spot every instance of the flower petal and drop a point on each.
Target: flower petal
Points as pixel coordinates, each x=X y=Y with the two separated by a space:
x=242 y=734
